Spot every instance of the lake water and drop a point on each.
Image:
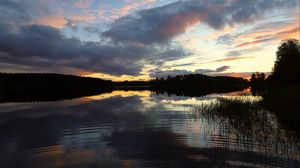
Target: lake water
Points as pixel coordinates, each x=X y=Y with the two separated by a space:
x=143 y=129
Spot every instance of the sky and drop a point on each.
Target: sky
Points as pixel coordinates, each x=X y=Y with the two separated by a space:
x=143 y=39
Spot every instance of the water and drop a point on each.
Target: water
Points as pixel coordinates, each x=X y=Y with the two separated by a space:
x=143 y=129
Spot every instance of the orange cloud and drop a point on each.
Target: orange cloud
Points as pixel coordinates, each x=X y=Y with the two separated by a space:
x=272 y=32
x=53 y=21
x=253 y=42
x=283 y=34
x=289 y=33
x=233 y=59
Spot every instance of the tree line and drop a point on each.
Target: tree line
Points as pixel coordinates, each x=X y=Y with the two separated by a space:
x=47 y=86
x=50 y=80
x=30 y=87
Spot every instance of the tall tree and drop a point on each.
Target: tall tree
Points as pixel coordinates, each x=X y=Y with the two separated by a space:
x=287 y=64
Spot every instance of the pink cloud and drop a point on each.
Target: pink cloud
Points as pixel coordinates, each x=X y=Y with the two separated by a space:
x=134 y=5
x=164 y=23
x=108 y=12
x=255 y=42
x=266 y=37
x=82 y=18
x=281 y=34
x=83 y=4
x=178 y=24
x=53 y=21
x=233 y=59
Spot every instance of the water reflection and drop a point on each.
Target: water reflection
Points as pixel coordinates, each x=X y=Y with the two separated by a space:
x=143 y=129
x=118 y=93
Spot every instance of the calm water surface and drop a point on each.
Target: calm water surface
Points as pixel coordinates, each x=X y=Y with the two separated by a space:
x=142 y=129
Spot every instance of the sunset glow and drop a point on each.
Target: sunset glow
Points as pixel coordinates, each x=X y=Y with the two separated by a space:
x=140 y=40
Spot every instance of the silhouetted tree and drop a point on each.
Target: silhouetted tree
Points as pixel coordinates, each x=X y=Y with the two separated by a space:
x=287 y=64
x=253 y=78
x=261 y=76
x=258 y=83
x=257 y=78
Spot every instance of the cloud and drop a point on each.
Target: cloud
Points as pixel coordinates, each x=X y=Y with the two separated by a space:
x=227 y=39
x=255 y=42
x=43 y=46
x=281 y=34
x=239 y=52
x=81 y=18
x=108 y=12
x=161 y=24
x=31 y=39
x=21 y=12
x=260 y=39
x=222 y=69
x=160 y=73
x=28 y=47
x=132 y=5
x=54 y=21
x=11 y=11
x=233 y=59
x=82 y=4
x=264 y=34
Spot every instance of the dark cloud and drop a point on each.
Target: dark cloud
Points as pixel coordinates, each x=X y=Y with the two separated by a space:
x=163 y=23
x=180 y=65
x=159 y=73
x=240 y=52
x=11 y=12
x=130 y=43
x=26 y=47
x=227 y=39
x=45 y=47
x=17 y=12
x=92 y=29
x=222 y=69
x=234 y=53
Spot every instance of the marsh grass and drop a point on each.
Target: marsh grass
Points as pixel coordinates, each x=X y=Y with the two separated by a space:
x=246 y=120
x=228 y=106
x=243 y=113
